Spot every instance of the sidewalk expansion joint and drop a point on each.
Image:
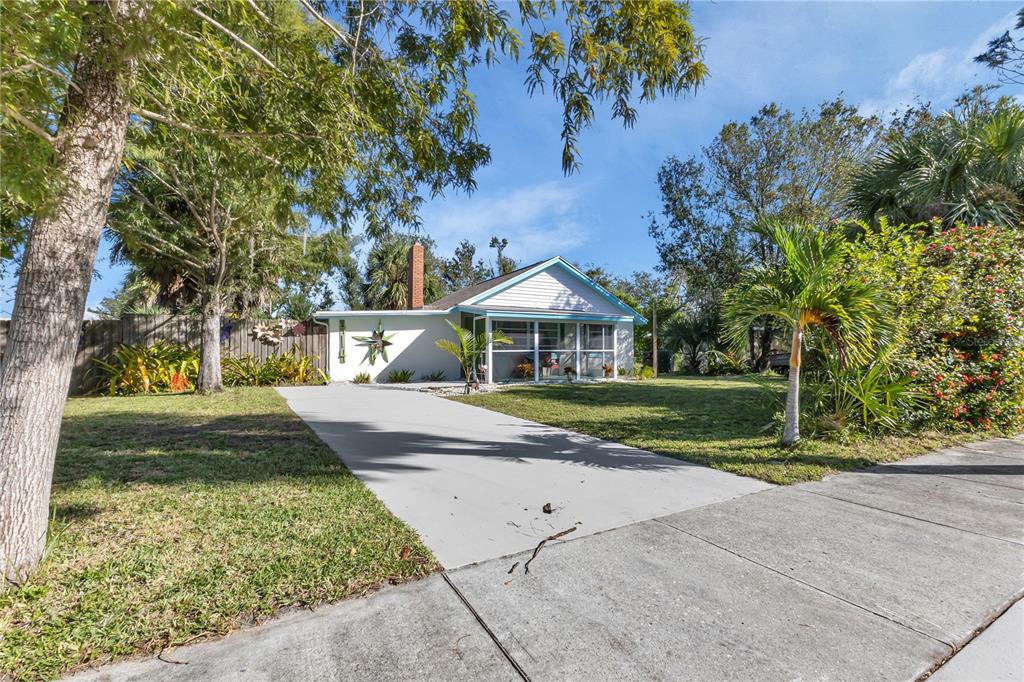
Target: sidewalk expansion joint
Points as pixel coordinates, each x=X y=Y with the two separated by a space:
x=490 y=633
x=909 y=516
x=956 y=478
x=970 y=638
x=807 y=584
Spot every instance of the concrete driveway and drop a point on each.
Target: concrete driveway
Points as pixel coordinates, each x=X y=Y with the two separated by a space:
x=473 y=482
x=883 y=574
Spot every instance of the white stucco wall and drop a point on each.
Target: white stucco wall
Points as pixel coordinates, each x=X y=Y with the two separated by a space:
x=624 y=345
x=412 y=346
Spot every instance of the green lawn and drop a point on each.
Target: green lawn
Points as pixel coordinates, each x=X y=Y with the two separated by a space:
x=723 y=422
x=181 y=517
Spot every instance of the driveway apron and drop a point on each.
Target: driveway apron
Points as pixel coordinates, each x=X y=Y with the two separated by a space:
x=473 y=483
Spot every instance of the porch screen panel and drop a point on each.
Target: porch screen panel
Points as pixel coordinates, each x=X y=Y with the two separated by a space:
x=598 y=342
x=557 y=348
x=513 y=361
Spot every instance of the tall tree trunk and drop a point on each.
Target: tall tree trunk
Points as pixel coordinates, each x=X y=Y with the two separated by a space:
x=210 y=380
x=766 y=346
x=791 y=433
x=752 y=348
x=52 y=288
x=654 y=338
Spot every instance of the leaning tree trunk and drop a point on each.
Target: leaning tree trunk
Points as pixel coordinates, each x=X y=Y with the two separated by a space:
x=52 y=288
x=791 y=433
x=210 y=380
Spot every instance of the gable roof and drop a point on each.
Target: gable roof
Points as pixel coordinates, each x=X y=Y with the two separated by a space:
x=475 y=294
x=473 y=290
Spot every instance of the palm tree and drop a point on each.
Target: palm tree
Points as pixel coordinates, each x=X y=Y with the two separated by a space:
x=693 y=336
x=966 y=165
x=387 y=272
x=809 y=290
x=468 y=350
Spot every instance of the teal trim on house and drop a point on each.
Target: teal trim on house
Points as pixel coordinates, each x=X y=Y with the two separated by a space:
x=568 y=267
x=554 y=315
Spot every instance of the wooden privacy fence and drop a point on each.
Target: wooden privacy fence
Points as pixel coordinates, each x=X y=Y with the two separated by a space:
x=98 y=338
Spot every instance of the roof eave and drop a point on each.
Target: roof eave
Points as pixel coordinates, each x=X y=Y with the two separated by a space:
x=334 y=314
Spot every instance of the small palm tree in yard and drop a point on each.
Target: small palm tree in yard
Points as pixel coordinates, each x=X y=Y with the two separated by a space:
x=468 y=350
x=810 y=290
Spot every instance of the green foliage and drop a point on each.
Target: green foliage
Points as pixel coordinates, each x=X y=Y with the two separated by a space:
x=960 y=333
x=1005 y=53
x=463 y=268
x=361 y=378
x=435 y=376
x=965 y=165
x=873 y=397
x=385 y=285
x=721 y=422
x=778 y=165
x=502 y=263
x=810 y=293
x=643 y=291
x=178 y=519
x=973 y=357
x=158 y=368
x=724 y=363
x=695 y=336
x=399 y=376
x=811 y=289
x=614 y=50
x=469 y=349
x=643 y=372
x=280 y=368
x=369 y=103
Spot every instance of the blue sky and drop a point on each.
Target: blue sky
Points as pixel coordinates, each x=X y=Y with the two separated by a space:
x=878 y=55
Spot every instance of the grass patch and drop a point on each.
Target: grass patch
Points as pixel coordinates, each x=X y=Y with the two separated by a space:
x=722 y=422
x=179 y=517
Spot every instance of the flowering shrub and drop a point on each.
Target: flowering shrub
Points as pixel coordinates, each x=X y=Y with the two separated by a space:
x=957 y=297
x=971 y=345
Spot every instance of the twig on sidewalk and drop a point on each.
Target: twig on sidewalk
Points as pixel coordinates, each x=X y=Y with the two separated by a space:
x=526 y=566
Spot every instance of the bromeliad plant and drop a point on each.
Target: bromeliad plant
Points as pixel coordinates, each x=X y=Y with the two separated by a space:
x=468 y=349
x=376 y=343
x=158 y=368
x=280 y=368
x=810 y=292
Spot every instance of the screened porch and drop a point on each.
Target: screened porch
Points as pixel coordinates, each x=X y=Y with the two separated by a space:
x=546 y=350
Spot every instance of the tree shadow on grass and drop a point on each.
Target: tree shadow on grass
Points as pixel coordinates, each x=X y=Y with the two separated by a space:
x=162 y=448
x=155 y=449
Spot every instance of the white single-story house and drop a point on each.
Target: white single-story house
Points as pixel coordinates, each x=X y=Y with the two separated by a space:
x=556 y=316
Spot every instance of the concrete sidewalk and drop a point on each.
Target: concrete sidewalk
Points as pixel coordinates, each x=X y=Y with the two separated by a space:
x=472 y=482
x=876 y=575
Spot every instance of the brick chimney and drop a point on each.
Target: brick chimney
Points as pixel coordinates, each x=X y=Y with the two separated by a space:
x=415 y=298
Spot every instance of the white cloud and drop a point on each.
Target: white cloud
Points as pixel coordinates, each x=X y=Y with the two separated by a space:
x=539 y=221
x=938 y=76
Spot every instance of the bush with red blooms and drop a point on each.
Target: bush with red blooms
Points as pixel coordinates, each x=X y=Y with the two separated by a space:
x=968 y=344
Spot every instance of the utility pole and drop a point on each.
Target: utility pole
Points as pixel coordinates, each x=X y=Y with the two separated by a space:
x=654 y=337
